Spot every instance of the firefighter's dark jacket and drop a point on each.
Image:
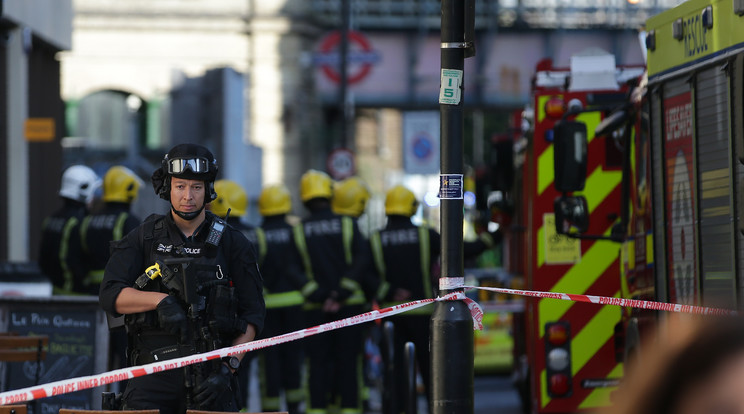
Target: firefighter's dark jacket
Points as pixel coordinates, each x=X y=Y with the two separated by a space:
x=60 y=255
x=158 y=238
x=336 y=270
x=97 y=231
x=282 y=265
x=403 y=254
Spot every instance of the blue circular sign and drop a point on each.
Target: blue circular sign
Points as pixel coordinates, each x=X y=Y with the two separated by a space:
x=422 y=145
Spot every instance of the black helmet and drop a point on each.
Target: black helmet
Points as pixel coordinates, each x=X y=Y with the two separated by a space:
x=187 y=161
x=190 y=162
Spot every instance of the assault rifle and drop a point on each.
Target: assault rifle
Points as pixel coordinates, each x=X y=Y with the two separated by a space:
x=176 y=275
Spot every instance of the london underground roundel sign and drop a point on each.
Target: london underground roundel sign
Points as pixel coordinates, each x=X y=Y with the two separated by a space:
x=361 y=57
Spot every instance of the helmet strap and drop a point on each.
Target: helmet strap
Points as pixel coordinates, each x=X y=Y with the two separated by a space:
x=188 y=216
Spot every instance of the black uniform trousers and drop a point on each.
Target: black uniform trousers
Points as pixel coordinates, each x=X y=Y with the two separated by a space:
x=335 y=361
x=167 y=392
x=281 y=365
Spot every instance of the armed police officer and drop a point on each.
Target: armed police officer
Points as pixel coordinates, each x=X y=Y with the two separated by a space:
x=208 y=294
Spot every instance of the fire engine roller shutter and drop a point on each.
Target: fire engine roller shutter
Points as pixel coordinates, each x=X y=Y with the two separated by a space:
x=657 y=193
x=737 y=124
x=714 y=172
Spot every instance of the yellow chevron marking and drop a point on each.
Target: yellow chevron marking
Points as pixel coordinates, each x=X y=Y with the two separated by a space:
x=540 y=246
x=545 y=170
x=599 y=185
x=584 y=346
x=594 y=334
x=577 y=280
x=541 y=100
x=545 y=162
x=544 y=397
x=591 y=119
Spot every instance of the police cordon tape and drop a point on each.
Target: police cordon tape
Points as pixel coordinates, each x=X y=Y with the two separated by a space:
x=450 y=283
x=447 y=283
x=92 y=381
x=604 y=300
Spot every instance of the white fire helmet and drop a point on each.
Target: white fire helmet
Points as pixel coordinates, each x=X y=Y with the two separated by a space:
x=79 y=183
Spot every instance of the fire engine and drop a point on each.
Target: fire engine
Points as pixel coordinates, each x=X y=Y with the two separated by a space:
x=659 y=220
x=696 y=116
x=568 y=358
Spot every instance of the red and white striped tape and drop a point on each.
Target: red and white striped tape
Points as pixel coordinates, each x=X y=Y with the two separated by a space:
x=91 y=381
x=451 y=283
x=604 y=300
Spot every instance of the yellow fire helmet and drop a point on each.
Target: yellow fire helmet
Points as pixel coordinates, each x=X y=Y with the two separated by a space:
x=350 y=197
x=230 y=195
x=315 y=184
x=274 y=200
x=400 y=201
x=120 y=185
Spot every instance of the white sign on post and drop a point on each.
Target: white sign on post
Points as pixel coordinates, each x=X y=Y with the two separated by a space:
x=449 y=89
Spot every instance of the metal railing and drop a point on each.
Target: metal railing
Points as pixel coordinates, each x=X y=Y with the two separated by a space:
x=491 y=14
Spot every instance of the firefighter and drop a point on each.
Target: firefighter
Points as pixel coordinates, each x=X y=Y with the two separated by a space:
x=404 y=254
x=120 y=188
x=218 y=267
x=331 y=247
x=280 y=366
x=350 y=197
x=231 y=204
x=60 y=253
x=233 y=198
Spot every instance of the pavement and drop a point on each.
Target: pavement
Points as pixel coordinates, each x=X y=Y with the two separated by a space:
x=491 y=393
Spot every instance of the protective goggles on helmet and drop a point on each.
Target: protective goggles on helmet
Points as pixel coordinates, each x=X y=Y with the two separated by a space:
x=180 y=165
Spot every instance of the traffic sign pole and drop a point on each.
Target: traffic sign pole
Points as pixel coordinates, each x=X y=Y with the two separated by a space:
x=452 y=350
x=346 y=137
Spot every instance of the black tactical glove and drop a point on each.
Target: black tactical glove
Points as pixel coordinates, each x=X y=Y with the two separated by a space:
x=172 y=317
x=210 y=391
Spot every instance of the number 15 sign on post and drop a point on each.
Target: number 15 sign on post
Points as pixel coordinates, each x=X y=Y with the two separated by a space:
x=449 y=91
